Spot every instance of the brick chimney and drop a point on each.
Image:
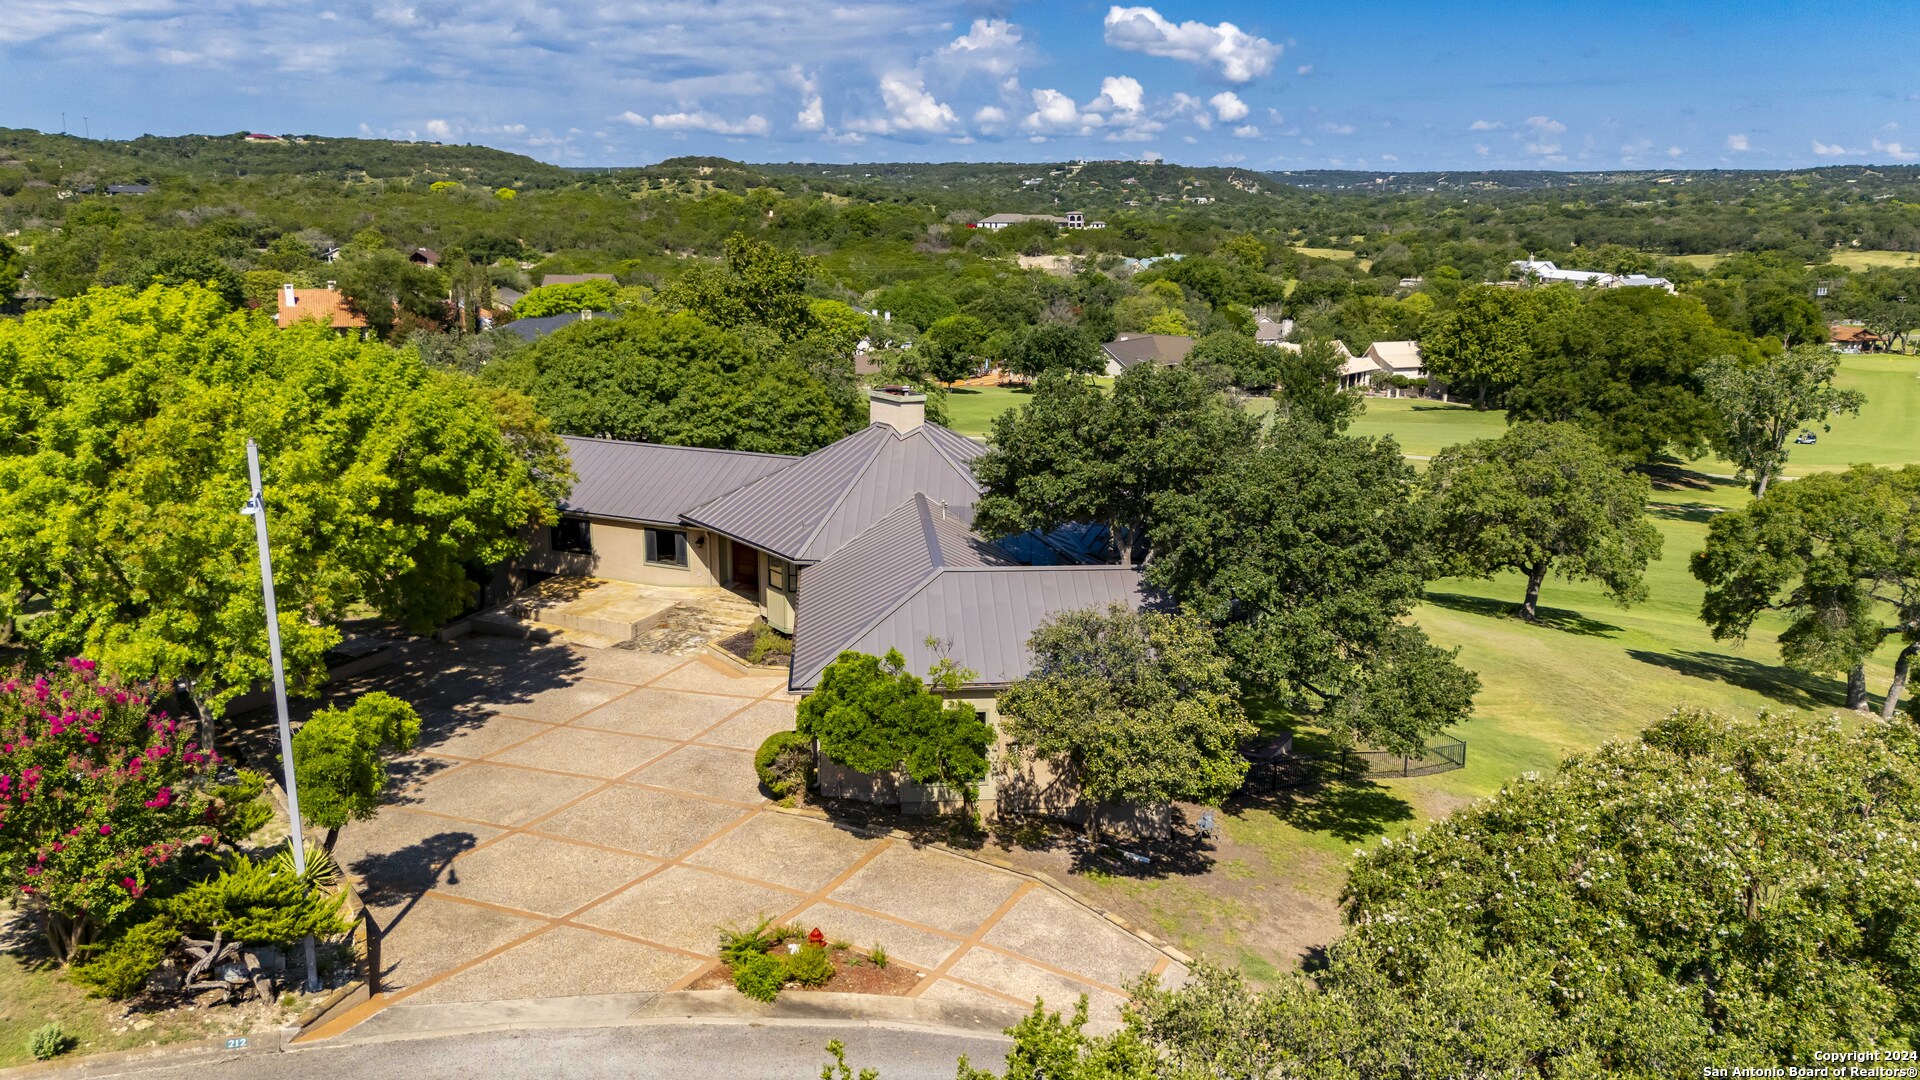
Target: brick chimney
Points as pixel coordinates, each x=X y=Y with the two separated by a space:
x=898 y=407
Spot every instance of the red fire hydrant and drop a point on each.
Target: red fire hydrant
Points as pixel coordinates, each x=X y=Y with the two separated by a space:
x=815 y=937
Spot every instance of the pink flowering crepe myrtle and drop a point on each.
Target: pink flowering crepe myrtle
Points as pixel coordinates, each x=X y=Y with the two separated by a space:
x=97 y=794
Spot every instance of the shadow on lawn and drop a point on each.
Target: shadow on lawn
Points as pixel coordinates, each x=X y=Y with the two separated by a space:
x=1352 y=811
x=1668 y=476
x=1783 y=684
x=1571 y=622
x=1698 y=513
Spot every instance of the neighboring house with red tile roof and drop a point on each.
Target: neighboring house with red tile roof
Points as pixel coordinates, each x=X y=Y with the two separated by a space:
x=1848 y=338
x=325 y=305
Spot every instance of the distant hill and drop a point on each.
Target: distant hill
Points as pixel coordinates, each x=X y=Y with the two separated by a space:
x=1389 y=183
x=66 y=159
x=1014 y=187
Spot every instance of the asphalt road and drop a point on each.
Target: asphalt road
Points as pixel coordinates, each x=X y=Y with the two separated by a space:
x=635 y=1052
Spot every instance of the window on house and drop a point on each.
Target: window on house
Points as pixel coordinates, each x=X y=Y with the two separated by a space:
x=573 y=534
x=777 y=575
x=666 y=547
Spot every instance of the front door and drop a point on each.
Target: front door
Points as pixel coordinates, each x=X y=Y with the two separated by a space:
x=746 y=569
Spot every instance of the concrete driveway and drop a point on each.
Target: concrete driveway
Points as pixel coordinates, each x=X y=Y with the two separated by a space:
x=581 y=821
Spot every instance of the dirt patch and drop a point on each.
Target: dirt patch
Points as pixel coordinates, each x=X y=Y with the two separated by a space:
x=854 y=972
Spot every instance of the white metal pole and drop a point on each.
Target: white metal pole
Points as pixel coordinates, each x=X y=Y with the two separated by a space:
x=256 y=508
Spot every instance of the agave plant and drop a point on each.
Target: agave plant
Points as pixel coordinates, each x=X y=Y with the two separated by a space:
x=323 y=871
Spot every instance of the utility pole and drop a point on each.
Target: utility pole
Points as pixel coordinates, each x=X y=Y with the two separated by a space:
x=256 y=508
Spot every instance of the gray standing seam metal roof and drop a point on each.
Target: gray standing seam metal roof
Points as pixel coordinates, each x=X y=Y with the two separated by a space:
x=983 y=615
x=653 y=482
x=1162 y=349
x=806 y=512
x=541 y=325
x=840 y=597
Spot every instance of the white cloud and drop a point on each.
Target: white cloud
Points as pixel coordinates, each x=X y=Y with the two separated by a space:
x=1332 y=128
x=812 y=115
x=1895 y=150
x=439 y=129
x=1828 y=150
x=1545 y=125
x=710 y=122
x=1674 y=151
x=1237 y=55
x=1119 y=94
x=1303 y=69
x=1055 y=112
x=813 y=112
x=990 y=116
x=1246 y=131
x=1481 y=148
x=1543 y=149
x=1738 y=143
x=989 y=45
x=1228 y=106
x=633 y=118
x=910 y=108
x=1486 y=125
x=1390 y=157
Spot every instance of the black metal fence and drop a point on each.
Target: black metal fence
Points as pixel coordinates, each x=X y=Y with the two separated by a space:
x=1272 y=765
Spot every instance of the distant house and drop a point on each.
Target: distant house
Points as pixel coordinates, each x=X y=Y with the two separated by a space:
x=1848 y=338
x=323 y=305
x=1630 y=281
x=1268 y=332
x=424 y=256
x=129 y=189
x=506 y=297
x=258 y=137
x=533 y=329
x=1544 y=272
x=573 y=279
x=1071 y=220
x=1129 y=350
x=1356 y=372
x=1400 y=358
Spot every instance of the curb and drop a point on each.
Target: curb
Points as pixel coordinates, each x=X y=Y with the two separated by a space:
x=401 y=1023
x=1038 y=877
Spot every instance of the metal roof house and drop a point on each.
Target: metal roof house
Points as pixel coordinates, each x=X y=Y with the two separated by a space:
x=865 y=544
x=1128 y=350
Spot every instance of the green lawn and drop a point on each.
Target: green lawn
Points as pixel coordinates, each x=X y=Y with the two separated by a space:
x=972 y=408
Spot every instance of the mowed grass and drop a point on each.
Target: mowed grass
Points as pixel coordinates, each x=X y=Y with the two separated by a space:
x=1869 y=259
x=971 y=409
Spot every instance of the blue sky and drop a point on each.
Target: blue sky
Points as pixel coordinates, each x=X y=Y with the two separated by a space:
x=1363 y=84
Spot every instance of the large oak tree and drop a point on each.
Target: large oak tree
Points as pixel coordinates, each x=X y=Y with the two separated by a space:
x=1541 y=498
x=1839 y=555
x=1307 y=556
x=1078 y=453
